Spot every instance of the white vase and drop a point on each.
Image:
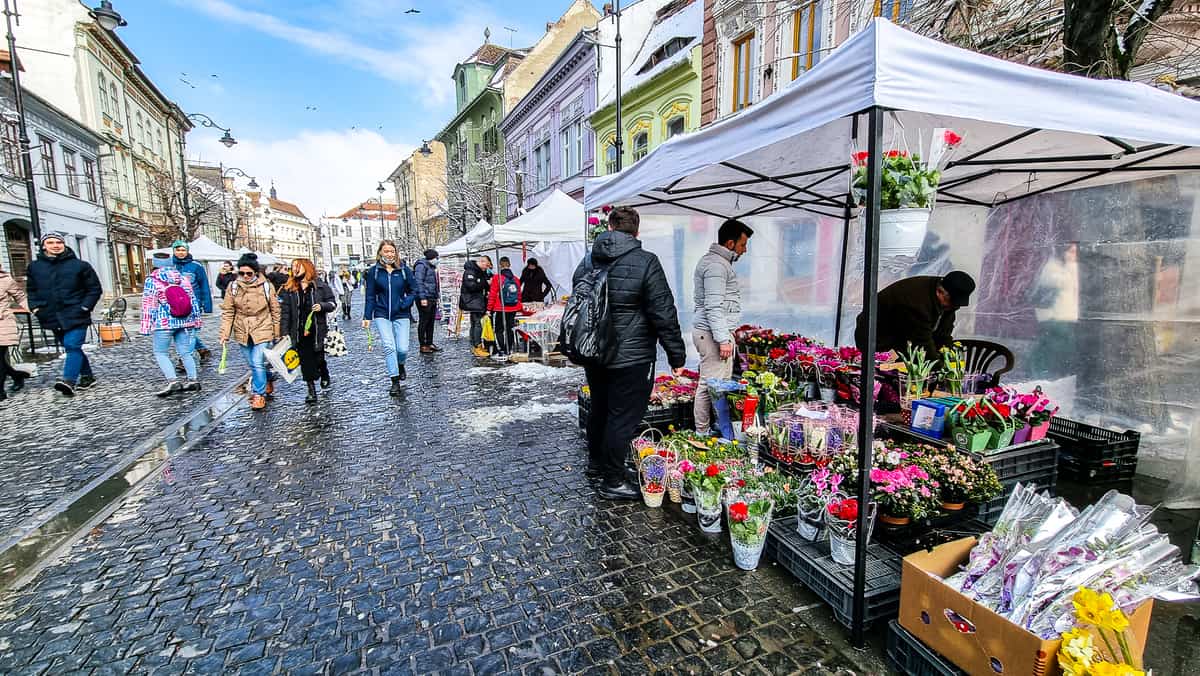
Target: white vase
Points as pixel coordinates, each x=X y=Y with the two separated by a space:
x=902 y=231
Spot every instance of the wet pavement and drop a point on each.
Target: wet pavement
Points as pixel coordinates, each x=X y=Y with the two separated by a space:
x=449 y=530
x=53 y=445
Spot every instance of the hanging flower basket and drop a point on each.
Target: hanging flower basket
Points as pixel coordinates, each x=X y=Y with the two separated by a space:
x=902 y=231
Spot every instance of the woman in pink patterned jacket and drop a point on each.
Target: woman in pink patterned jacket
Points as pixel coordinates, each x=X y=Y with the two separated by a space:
x=171 y=314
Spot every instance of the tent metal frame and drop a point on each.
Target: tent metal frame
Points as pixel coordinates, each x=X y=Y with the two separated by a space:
x=804 y=197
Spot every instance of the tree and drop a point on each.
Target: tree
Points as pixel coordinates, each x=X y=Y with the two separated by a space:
x=206 y=209
x=480 y=188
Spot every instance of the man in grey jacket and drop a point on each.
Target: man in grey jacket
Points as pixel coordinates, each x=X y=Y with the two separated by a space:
x=718 y=311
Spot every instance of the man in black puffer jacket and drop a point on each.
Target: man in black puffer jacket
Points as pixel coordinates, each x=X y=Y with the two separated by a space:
x=63 y=290
x=643 y=315
x=473 y=299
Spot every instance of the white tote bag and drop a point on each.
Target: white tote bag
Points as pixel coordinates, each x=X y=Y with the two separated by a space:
x=284 y=359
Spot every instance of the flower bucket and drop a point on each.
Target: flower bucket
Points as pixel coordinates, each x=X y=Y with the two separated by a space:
x=1000 y=438
x=842 y=549
x=902 y=231
x=1022 y=435
x=111 y=333
x=828 y=394
x=842 y=540
x=1038 y=433
x=965 y=441
x=708 y=509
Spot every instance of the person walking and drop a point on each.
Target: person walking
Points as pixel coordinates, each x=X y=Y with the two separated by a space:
x=429 y=294
x=183 y=262
x=305 y=295
x=535 y=285
x=504 y=302
x=250 y=316
x=343 y=288
x=388 y=305
x=171 y=314
x=642 y=312
x=63 y=290
x=227 y=277
x=473 y=299
x=718 y=312
x=11 y=296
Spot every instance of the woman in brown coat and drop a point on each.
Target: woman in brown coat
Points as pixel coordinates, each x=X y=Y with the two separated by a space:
x=250 y=316
x=12 y=294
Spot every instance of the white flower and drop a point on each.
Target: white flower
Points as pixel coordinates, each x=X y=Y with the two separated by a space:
x=893 y=458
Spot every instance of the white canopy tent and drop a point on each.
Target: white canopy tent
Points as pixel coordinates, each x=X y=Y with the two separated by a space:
x=263 y=258
x=558 y=218
x=478 y=237
x=1025 y=132
x=204 y=249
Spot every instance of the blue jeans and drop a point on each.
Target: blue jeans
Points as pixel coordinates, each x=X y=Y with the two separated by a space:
x=77 y=363
x=256 y=357
x=184 y=340
x=394 y=336
x=198 y=344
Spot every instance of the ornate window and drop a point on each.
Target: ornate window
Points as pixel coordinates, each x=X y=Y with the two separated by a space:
x=806 y=36
x=610 y=159
x=744 y=68
x=49 y=166
x=641 y=145
x=676 y=125
x=71 y=169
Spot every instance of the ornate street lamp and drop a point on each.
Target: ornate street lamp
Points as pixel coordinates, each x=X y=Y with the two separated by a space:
x=425 y=149
x=205 y=121
x=108 y=18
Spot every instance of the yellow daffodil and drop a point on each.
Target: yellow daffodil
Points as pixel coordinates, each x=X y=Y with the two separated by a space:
x=1076 y=652
x=1110 y=669
x=1115 y=620
x=1070 y=667
x=1092 y=607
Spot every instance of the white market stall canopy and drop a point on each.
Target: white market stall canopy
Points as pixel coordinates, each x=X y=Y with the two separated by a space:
x=478 y=237
x=558 y=218
x=1025 y=131
x=204 y=249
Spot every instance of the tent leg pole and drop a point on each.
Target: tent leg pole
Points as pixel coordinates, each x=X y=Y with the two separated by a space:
x=866 y=427
x=841 y=290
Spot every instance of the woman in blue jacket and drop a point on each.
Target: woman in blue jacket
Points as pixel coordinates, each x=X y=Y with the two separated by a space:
x=388 y=305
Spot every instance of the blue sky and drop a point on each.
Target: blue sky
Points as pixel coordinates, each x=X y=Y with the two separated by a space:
x=378 y=78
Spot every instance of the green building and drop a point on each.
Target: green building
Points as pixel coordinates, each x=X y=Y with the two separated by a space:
x=660 y=94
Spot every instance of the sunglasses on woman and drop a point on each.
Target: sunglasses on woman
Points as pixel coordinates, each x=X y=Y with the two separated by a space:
x=247 y=274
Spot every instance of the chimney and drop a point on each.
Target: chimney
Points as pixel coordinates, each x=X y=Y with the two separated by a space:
x=549 y=26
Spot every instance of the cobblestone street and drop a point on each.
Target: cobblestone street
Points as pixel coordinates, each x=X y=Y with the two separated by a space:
x=450 y=530
x=54 y=445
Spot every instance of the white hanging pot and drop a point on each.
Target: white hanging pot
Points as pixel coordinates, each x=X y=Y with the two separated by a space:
x=902 y=231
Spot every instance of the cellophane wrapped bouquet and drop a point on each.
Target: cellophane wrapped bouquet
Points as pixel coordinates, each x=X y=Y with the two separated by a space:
x=1042 y=551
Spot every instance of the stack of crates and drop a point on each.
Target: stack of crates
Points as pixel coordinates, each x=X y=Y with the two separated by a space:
x=1094 y=454
x=1029 y=464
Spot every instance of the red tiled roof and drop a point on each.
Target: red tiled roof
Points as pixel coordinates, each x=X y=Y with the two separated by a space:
x=285 y=207
x=371 y=210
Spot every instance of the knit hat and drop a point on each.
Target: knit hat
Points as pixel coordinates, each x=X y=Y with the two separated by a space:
x=53 y=235
x=181 y=243
x=249 y=260
x=430 y=254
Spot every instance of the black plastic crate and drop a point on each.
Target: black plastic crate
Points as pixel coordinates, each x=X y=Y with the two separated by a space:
x=1024 y=459
x=661 y=418
x=1089 y=444
x=1120 y=469
x=908 y=656
x=812 y=565
x=937 y=531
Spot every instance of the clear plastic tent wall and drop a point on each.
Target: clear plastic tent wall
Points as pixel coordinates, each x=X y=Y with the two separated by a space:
x=1091 y=289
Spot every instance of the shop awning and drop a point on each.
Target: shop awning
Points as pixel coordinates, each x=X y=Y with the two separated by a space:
x=558 y=218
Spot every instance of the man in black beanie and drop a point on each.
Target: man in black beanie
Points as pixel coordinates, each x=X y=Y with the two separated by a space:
x=428 y=296
x=917 y=310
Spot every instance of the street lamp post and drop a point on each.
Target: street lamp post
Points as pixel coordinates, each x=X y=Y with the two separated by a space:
x=26 y=160
x=227 y=140
x=382 y=217
x=230 y=172
x=617 y=42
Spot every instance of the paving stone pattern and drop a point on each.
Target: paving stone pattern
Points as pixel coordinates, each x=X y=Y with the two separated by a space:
x=378 y=535
x=54 y=445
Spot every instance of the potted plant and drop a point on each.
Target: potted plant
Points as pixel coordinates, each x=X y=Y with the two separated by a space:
x=841 y=520
x=954 y=367
x=971 y=430
x=707 y=482
x=812 y=496
x=907 y=191
x=748 y=521
x=962 y=478
x=653 y=479
x=905 y=491
x=999 y=419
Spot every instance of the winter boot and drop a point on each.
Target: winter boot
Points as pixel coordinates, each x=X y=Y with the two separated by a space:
x=173 y=387
x=312 y=393
x=395 y=391
x=403 y=373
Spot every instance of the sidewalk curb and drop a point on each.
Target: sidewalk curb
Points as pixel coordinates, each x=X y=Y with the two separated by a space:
x=41 y=538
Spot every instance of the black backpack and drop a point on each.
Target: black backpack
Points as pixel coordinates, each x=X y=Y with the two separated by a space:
x=588 y=336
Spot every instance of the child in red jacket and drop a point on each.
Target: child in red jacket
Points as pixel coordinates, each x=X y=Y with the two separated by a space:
x=504 y=302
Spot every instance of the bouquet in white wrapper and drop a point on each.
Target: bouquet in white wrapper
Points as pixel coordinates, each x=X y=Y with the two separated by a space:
x=1041 y=551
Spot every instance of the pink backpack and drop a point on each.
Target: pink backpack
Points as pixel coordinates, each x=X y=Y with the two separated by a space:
x=179 y=301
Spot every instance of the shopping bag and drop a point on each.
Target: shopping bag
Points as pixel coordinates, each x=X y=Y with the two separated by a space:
x=16 y=359
x=489 y=332
x=224 y=356
x=284 y=359
x=335 y=342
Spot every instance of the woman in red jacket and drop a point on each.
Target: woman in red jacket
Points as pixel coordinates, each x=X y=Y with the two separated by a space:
x=504 y=302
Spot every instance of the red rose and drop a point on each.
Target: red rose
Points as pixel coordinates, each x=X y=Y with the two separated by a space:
x=741 y=483
x=712 y=470
x=606 y=208
x=951 y=138
x=739 y=512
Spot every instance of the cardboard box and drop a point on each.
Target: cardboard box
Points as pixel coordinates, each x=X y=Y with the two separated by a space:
x=970 y=635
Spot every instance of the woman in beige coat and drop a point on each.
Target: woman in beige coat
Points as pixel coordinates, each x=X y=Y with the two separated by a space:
x=12 y=294
x=250 y=316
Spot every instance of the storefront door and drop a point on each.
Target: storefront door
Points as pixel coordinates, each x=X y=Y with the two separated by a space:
x=19 y=251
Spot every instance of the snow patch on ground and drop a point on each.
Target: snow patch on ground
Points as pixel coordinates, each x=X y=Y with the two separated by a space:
x=531 y=371
x=490 y=418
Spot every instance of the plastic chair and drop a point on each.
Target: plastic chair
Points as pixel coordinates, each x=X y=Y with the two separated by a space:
x=982 y=354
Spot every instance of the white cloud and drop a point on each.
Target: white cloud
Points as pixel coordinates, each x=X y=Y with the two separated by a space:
x=424 y=57
x=322 y=171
